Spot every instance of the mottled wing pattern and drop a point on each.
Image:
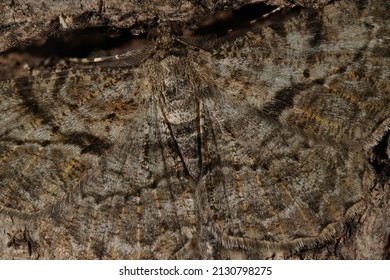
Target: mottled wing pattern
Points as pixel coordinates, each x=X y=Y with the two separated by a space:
x=294 y=106
x=325 y=71
x=53 y=131
x=279 y=190
x=136 y=205
x=89 y=170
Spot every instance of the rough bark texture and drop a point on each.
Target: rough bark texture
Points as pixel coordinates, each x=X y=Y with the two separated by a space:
x=23 y=21
x=143 y=156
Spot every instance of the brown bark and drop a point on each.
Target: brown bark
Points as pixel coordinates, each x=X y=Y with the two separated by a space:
x=24 y=21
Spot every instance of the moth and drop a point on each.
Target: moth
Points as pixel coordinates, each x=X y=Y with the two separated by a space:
x=251 y=145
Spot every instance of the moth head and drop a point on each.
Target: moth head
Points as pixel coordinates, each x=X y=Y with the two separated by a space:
x=163 y=34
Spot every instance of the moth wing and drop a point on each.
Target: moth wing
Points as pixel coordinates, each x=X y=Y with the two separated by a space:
x=54 y=128
x=295 y=105
x=325 y=75
x=88 y=159
x=268 y=187
x=136 y=204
